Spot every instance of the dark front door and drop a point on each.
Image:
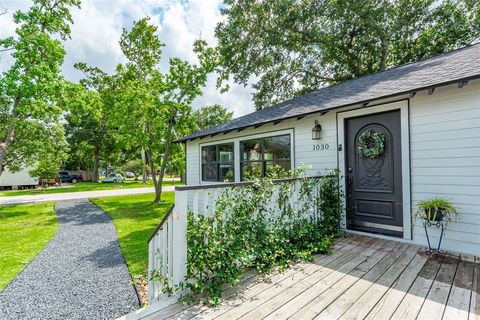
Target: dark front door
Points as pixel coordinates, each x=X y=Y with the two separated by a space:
x=374 y=181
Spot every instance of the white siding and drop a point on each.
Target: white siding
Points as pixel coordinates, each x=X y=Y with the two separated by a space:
x=444 y=156
x=445 y=160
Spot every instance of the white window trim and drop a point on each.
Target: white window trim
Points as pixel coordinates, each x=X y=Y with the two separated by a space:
x=403 y=106
x=236 y=150
x=214 y=143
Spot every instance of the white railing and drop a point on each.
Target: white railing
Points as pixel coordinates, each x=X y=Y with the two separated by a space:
x=168 y=245
x=167 y=248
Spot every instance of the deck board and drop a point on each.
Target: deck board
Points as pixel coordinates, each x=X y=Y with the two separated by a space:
x=277 y=284
x=347 y=299
x=350 y=259
x=363 y=278
x=437 y=297
x=474 y=313
x=415 y=297
x=295 y=297
x=386 y=306
x=370 y=298
x=458 y=303
x=323 y=300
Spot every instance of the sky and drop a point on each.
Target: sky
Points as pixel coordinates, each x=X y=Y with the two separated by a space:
x=98 y=25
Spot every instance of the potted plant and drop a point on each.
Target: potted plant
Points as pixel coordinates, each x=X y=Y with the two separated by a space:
x=436 y=210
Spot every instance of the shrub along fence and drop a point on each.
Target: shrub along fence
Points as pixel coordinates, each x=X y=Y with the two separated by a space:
x=265 y=224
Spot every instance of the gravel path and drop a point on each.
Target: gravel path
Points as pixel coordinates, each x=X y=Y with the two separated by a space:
x=81 y=274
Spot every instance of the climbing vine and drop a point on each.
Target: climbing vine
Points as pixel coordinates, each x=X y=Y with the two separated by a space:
x=268 y=224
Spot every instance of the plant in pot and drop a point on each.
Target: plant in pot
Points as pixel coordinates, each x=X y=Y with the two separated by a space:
x=436 y=210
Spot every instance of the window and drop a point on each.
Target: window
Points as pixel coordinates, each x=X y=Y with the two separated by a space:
x=217 y=163
x=260 y=156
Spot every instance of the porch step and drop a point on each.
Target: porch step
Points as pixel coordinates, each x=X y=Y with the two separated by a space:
x=149 y=311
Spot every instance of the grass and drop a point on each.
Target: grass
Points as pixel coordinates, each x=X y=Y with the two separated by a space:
x=24 y=231
x=85 y=186
x=135 y=218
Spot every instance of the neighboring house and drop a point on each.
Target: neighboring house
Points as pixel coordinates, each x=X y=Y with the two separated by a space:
x=429 y=113
x=16 y=180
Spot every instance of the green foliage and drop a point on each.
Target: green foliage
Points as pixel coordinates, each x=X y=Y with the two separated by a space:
x=153 y=108
x=371 y=144
x=134 y=165
x=210 y=116
x=260 y=225
x=428 y=209
x=91 y=132
x=52 y=153
x=31 y=89
x=291 y=47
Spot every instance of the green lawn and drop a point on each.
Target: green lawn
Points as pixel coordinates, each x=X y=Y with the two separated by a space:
x=85 y=186
x=24 y=231
x=135 y=218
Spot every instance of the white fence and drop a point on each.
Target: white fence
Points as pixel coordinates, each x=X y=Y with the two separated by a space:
x=168 y=245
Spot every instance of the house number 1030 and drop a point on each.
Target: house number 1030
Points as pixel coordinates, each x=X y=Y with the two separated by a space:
x=317 y=147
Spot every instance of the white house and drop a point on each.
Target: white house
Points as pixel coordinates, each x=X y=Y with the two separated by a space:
x=429 y=115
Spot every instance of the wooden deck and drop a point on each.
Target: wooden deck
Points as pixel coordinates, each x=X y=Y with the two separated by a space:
x=364 y=278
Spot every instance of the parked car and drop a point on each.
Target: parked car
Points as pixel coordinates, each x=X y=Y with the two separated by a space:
x=129 y=174
x=114 y=178
x=67 y=177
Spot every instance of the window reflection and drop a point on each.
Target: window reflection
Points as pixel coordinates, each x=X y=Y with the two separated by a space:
x=259 y=157
x=217 y=163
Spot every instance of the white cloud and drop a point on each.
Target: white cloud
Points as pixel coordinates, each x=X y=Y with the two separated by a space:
x=98 y=25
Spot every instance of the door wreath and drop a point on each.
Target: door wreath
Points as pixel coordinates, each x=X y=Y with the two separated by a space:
x=371 y=144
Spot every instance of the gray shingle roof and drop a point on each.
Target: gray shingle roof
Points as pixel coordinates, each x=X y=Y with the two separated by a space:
x=447 y=68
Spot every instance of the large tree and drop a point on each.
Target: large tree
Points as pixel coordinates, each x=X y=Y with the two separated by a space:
x=288 y=47
x=154 y=107
x=212 y=115
x=89 y=125
x=30 y=89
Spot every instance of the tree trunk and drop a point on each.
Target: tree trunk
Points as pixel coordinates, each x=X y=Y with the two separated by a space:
x=3 y=154
x=4 y=146
x=166 y=154
x=144 y=168
x=96 y=165
x=156 y=184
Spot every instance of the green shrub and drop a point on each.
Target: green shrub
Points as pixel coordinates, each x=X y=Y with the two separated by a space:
x=243 y=232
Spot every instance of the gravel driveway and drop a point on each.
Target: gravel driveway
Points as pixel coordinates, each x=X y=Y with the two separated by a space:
x=81 y=274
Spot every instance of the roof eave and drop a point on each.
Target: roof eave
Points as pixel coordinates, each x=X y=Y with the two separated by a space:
x=360 y=103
